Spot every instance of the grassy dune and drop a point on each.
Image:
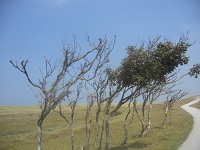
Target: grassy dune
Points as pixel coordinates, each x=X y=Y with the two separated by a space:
x=18 y=129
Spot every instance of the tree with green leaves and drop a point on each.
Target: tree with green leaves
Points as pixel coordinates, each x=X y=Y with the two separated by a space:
x=153 y=62
x=146 y=68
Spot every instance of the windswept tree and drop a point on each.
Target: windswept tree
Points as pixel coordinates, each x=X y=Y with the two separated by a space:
x=98 y=88
x=74 y=67
x=146 y=67
x=104 y=91
x=153 y=62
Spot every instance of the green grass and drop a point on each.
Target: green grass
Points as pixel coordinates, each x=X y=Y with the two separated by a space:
x=18 y=129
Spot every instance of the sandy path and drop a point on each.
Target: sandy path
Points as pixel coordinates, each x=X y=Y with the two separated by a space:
x=193 y=140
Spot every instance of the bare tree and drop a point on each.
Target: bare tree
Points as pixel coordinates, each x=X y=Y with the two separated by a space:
x=104 y=91
x=74 y=67
x=172 y=97
x=99 y=86
x=104 y=47
x=88 y=119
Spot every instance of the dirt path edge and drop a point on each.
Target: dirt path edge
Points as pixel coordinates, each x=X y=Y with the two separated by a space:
x=193 y=140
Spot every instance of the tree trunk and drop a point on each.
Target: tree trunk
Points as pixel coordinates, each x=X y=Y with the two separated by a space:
x=127 y=124
x=39 y=134
x=107 y=132
x=147 y=127
x=143 y=120
x=101 y=136
x=166 y=114
x=107 y=125
x=85 y=146
x=72 y=136
x=88 y=121
x=71 y=130
x=125 y=133
x=143 y=127
x=97 y=127
x=46 y=110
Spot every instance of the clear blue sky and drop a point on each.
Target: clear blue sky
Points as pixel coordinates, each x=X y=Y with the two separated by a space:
x=32 y=29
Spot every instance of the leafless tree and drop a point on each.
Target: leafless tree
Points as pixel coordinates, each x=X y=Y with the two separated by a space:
x=99 y=86
x=172 y=94
x=72 y=99
x=74 y=67
x=106 y=89
x=88 y=119
x=172 y=97
x=105 y=49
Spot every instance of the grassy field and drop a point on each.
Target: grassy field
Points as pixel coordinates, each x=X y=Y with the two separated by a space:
x=196 y=105
x=18 y=129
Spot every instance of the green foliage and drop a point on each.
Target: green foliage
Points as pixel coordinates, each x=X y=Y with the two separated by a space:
x=153 y=62
x=171 y=56
x=195 y=70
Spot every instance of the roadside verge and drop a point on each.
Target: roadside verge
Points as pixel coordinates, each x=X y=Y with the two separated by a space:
x=192 y=142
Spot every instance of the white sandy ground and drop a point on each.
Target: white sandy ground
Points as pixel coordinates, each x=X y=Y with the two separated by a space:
x=193 y=140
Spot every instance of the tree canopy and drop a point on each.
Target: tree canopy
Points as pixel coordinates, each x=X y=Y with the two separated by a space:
x=152 y=62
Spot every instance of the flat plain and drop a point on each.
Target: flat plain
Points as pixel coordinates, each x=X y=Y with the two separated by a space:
x=18 y=129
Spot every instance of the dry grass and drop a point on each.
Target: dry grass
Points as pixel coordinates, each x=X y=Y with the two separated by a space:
x=18 y=129
x=196 y=105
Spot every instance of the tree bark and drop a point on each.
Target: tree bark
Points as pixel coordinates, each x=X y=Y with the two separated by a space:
x=125 y=133
x=72 y=136
x=39 y=134
x=107 y=126
x=88 y=121
x=97 y=127
x=71 y=129
x=166 y=114
x=101 y=136
x=107 y=132
x=143 y=120
x=143 y=127
x=43 y=115
x=127 y=124
x=147 y=127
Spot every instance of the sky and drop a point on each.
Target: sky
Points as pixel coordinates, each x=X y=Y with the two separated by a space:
x=34 y=29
